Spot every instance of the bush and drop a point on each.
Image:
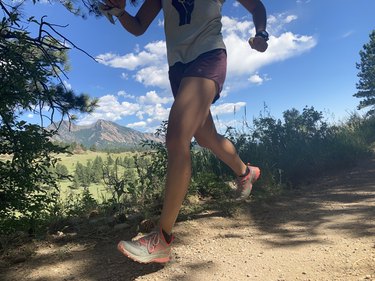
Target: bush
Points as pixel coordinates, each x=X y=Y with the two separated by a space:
x=299 y=146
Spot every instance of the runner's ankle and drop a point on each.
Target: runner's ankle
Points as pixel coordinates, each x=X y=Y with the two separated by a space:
x=167 y=237
x=246 y=172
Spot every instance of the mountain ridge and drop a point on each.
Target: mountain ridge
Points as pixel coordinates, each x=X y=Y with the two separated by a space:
x=102 y=134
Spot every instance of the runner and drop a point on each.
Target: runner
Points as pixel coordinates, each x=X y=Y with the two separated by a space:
x=197 y=62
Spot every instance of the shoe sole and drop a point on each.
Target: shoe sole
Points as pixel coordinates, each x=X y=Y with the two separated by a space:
x=140 y=259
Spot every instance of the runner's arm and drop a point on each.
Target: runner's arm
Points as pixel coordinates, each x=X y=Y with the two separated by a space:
x=257 y=9
x=138 y=24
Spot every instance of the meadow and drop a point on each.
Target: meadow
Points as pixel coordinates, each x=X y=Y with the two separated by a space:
x=98 y=190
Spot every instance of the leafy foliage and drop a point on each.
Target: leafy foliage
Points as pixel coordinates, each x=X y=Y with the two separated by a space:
x=366 y=84
x=30 y=75
x=300 y=146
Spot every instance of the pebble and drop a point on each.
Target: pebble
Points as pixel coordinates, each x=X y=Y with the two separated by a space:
x=121 y=226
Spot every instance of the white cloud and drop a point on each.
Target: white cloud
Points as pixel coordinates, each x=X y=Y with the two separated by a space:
x=151 y=116
x=150 y=109
x=138 y=125
x=227 y=108
x=276 y=23
x=222 y=126
x=156 y=112
x=129 y=61
x=30 y=115
x=150 y=65
x=290 y=18
x=256 y=79
x=109 y=108
x=125 y=95
x=158 y=48
x=154 y=76
x=234 y=26
x=225 y=92
x=154 y=53
x=347 y=34
x=242 y=60
x=153 y=98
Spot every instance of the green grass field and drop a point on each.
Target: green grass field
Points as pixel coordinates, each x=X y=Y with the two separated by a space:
x=98 y=191
x=71 y=160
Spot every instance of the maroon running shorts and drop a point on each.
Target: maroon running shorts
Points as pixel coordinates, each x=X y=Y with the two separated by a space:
x=211 y=65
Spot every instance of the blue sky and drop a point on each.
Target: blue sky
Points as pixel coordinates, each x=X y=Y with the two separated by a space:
x=313 y=48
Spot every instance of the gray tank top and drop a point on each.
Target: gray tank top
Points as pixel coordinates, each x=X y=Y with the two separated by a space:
x=192 y=27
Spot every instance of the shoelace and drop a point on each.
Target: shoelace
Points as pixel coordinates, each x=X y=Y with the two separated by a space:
x=151 y=241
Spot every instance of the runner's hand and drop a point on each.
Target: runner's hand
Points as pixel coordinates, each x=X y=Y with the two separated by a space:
x=258 y=43
x=109 y=10
x=120 y=4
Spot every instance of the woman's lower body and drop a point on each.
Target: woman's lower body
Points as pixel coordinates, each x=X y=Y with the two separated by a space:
x=195 y=87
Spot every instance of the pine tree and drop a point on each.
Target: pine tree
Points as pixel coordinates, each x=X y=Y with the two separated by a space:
x=33 y=67
x=62 y=171
x=366 y=84
x=97 y=169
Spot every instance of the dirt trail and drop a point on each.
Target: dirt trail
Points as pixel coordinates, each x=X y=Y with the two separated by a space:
x=325 y=231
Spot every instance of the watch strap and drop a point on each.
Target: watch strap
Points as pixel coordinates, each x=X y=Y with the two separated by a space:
x=263 y=34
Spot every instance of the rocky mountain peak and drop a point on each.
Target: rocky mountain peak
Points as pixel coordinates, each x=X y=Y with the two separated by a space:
x=102 y=134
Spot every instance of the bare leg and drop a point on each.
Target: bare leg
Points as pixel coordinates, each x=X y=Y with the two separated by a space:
x=223 y=148
x=188 y=113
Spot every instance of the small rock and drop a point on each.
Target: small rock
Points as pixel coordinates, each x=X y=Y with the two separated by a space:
x=121 y=226
x=103 y=228
x=19 y=259
x=94 y=214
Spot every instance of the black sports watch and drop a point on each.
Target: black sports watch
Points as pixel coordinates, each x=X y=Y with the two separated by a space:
x=263 y=34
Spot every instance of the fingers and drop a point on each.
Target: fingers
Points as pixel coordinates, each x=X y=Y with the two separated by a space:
x=258 y=43
x=109 y=3
x=116 y=3
x=109 y=10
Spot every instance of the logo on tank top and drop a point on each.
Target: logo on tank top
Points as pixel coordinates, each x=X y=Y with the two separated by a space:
x=185 y=9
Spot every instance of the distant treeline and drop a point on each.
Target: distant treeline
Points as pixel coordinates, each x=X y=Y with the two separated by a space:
x=76 y=147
